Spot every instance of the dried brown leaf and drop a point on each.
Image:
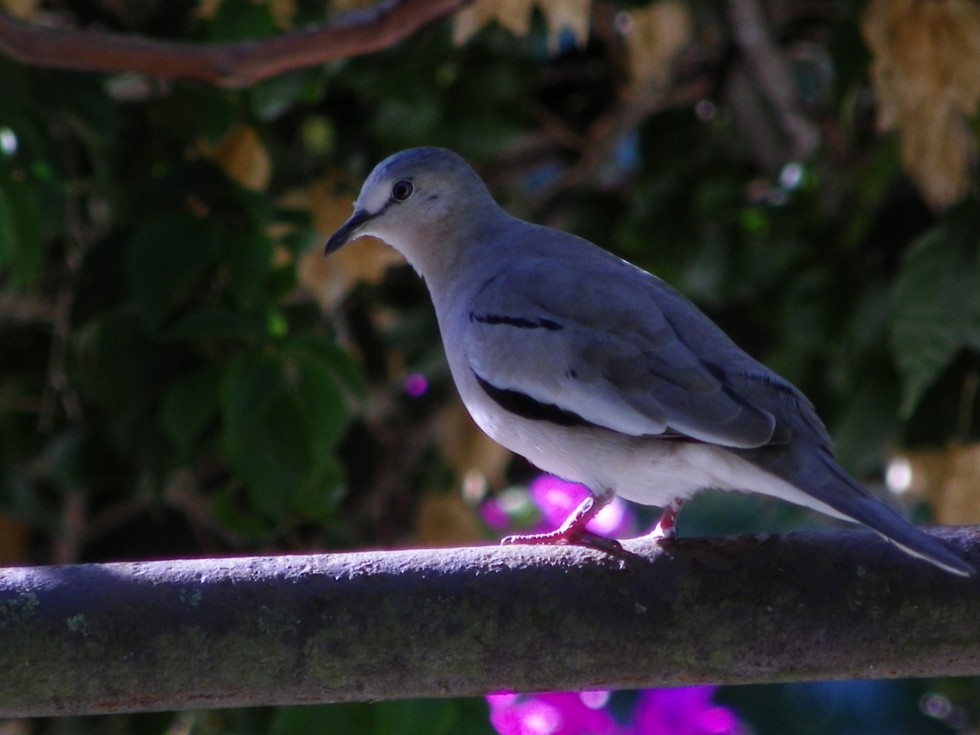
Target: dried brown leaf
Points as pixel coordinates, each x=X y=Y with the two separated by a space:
x=343 y=6
x=242 y=155
x=21 y=9
x=445 y=519
x=330 y=280
x=282 y=11
x=948 y=480
x=562 y=14
x=926 y=71
x=14 y=537
x=515 y=16
x=207 y=9
x=467 y=450
x=655 y=35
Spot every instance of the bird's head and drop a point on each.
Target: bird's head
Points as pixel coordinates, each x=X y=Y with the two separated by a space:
x=416 y=201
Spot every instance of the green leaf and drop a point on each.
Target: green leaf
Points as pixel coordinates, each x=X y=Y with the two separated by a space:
x=270 y=98
x=116 y=355
x=317 y=498
x=188 y=406
x=210 y=324
x=324 y=415
x=936 y=305
x=166 y=258
x=316 y=389
x=266 y=440
x=21 y=233
x=231 y=514
x=250 y=384
x=235 y=21
x=120 y=372
x=249 y=263
x=332 y=356
x=283 y=416
x=215 y=111
x=263 y=438
x=408 y=717
x=8 y=233
x=867 y=425
x=336 y=719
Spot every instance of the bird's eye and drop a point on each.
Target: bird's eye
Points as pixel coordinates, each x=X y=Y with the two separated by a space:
x=402 y=190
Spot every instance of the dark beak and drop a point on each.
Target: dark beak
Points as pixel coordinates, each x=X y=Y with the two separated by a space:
x=346 y=232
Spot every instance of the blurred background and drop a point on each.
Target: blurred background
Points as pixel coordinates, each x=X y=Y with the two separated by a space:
x=182 y=374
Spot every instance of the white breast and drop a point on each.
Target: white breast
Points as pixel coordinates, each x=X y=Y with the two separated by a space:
x=645 y=470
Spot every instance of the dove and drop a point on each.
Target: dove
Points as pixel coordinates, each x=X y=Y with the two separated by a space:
x=599 y=372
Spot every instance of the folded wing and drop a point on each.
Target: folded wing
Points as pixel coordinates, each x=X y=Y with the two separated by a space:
x=610 y=355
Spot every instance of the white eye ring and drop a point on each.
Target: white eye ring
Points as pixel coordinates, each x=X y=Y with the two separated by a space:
x=402 y=190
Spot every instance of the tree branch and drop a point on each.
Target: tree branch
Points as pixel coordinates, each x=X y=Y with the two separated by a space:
x=379 y=625
x=236 y=64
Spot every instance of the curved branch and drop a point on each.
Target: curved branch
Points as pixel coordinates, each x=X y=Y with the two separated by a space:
x=188 y=634
x=237 y=64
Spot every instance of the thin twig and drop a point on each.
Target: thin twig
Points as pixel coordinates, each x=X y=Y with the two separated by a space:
x=770 y=70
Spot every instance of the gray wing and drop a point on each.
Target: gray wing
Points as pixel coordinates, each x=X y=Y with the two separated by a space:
x=617 y=348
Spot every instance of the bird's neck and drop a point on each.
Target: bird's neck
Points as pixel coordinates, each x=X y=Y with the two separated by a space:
x=442 y=251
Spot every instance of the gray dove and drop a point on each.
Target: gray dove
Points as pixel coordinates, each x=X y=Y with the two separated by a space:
x=599 y=372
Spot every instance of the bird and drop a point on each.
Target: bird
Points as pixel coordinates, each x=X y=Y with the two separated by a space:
x=599 y=372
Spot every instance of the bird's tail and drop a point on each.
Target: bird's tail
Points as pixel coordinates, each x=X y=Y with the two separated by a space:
x=815 y=472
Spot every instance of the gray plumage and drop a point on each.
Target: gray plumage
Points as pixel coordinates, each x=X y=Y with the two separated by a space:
x=597 y=371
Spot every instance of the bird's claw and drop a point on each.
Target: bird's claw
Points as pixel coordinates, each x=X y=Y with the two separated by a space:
x=666 y=528
x=573 y=532
x=569 y=537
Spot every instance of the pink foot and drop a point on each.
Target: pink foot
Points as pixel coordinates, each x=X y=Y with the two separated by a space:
x=666 y=527
x=573 y=531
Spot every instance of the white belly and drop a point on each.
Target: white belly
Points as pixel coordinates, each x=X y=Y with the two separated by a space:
x=644 y=470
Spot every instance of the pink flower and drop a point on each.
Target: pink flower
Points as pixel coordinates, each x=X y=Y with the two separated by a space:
x=554 y=500
x=568 y=713
x=415 y=385
x=557 y=498
x=687 y=711
x=494 y=514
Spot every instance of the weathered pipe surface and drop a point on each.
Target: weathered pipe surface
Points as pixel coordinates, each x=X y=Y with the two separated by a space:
x=430 y=623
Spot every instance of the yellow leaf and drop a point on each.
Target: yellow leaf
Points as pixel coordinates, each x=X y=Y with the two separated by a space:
x=948 y=480
x=655 y=35
x=515 y=16
x=283 y=12
x=207 y=9
x=330 y=280
x=466 y=23
x=21 y=9
x=470 y=452
x=478 y=461
x=342 y=6
x=926 y=72
x=13 y=541
x=242 y=156
x=445 y=519
x=562 y=14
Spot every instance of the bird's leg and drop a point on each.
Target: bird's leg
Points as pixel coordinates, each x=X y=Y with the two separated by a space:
x=573 y=530
x=666 y=527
